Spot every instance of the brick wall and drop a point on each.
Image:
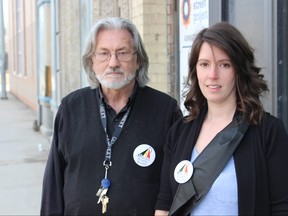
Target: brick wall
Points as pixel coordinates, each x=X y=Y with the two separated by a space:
x=171 y=58
x=22 y=84
x=154 y=20
x=150 y=17
x=70 y=46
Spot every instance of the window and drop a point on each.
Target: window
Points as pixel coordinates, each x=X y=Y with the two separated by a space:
x=282 y=68
x=20 y=41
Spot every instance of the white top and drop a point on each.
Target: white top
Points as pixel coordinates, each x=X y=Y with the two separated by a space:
x=222 y=198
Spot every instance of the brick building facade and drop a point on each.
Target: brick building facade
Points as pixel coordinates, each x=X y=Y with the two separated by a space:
x=54 y=41
x=45 y=39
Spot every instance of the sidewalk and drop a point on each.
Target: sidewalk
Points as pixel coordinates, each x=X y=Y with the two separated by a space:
x=22 y=159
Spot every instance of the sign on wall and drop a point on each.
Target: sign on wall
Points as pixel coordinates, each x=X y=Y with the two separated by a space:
x=194 y=16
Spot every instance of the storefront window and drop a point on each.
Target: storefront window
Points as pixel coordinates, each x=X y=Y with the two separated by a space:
x=282 y=69
x=232 y=13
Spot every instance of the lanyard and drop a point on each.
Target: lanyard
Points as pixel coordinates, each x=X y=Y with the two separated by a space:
x=110 y=142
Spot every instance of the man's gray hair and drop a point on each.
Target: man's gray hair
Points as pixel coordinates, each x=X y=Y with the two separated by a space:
x=116 y=23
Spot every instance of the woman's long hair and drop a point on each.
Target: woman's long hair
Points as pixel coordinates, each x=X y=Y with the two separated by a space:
x=248 y=80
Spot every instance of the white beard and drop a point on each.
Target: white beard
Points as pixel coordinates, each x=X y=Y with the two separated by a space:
x=117 y=84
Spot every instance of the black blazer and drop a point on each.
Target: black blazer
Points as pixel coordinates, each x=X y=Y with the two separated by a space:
x=261 y=161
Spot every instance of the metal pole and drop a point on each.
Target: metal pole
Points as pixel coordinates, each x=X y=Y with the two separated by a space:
x=2 y=54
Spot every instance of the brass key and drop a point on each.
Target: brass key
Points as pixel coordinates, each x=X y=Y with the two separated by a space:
x=105 y=201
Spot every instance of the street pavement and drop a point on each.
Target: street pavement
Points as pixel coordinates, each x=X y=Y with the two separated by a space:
x=23 y=158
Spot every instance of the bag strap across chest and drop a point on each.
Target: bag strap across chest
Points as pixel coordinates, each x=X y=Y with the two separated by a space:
x=207 y=167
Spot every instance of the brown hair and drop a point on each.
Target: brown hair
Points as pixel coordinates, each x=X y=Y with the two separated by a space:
x=249 y=82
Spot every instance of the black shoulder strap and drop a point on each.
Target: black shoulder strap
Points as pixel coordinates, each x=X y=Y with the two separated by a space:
x=207 y=167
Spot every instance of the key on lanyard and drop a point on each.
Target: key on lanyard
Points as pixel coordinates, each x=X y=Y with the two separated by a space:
x=105 y=201
x=105 y=184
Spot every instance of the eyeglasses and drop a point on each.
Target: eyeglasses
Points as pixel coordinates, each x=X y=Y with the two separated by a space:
x=120 y=56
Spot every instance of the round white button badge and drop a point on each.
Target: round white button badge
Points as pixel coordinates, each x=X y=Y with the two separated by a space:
x=144 y=155
x=183 y=171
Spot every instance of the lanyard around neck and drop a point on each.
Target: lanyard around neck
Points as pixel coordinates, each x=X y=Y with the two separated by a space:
x=118 y=129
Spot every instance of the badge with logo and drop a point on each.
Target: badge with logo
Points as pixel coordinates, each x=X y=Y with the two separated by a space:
x=183 y=171
x=144 y=155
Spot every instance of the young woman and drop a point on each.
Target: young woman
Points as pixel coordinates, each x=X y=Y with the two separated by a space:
x=224 y=93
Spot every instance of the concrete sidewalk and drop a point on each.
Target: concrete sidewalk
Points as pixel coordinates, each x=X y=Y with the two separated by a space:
x=23 y=158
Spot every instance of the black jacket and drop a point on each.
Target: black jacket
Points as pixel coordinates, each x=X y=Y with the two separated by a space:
x=74 y=169
x=261 y=161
